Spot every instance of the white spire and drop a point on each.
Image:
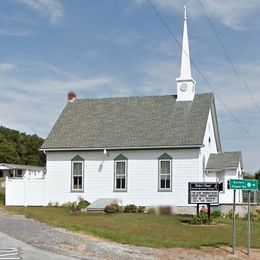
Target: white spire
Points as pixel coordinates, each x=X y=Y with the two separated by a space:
x=185 y=83
x=185 y=56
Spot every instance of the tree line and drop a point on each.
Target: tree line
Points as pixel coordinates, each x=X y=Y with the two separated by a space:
x=20 y=148
x=255 y=175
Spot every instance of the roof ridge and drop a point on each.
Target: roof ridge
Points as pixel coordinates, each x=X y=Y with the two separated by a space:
x=232 y=152
x=133 y=97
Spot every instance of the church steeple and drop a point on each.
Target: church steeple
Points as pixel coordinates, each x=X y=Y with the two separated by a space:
x=185 y=83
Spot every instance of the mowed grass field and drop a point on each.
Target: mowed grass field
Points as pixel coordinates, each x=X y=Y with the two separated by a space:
x=143 y=229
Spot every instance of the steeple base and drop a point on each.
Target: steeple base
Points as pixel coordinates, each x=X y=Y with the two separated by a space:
x=185 y=89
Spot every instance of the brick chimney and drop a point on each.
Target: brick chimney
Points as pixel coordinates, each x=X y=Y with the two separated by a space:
x=72 y=96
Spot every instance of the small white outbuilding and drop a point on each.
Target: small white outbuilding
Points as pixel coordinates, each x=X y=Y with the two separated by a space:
x=11 y=170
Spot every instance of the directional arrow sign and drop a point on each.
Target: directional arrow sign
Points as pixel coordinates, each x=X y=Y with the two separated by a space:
x=243 y=184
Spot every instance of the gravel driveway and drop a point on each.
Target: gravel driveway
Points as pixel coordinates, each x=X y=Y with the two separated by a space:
x=67 y=243
x=63 y=242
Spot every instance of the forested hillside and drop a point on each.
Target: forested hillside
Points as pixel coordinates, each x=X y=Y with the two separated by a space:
x=16 y=147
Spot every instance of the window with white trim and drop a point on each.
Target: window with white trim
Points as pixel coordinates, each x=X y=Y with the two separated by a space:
x=77 y=174
x=165 y=172
x=221 y=181
x=120 y=183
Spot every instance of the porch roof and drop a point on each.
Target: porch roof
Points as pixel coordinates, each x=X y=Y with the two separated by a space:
x=222 y=161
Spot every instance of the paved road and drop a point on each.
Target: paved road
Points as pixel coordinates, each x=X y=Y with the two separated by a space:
x=11 y=248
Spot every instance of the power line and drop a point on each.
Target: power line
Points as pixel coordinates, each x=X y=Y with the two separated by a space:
x=228 y=57
x=199 y=71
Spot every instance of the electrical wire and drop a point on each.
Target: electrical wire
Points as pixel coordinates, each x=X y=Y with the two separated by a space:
x=199 y=71
x=228 y=57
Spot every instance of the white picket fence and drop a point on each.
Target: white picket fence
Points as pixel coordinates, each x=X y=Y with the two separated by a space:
x=24 y=192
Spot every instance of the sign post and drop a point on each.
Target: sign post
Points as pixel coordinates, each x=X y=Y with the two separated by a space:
x=248 y=223
x=249 y=185
x=234 y=224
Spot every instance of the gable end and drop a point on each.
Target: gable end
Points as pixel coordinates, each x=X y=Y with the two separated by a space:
x=77 y=158
x=165 y=156
x=120 y=157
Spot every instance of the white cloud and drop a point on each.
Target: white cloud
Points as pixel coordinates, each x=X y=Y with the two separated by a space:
x=159 y=78
x=233 y=14
x=232 y=90
x=52 y=8
x=7 y=66
x=28 y=96
x=163 y=69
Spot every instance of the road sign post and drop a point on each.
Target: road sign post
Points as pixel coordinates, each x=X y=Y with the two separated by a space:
x=234 y=224
x=249 y=185
x=248 y=223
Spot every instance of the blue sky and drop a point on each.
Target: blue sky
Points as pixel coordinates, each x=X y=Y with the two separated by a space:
x=120 y=48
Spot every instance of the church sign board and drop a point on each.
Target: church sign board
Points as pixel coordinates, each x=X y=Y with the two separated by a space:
x=203 y=193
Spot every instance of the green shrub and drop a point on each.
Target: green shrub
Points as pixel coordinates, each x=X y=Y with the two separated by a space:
x=112 y=208
x=67 y=204
x=215 y=214
x=229 y=215
x=2 y=198
x=73 y=206
x=131 y=208
x=201 y=218
x=82 y=204
x=254 y=216
x=76 y=206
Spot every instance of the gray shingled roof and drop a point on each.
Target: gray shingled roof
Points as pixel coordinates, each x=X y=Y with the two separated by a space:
x=224 y=160
x=127 y=122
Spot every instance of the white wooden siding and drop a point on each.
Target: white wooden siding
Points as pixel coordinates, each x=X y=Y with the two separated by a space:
x=207 y=148
x=226 y=197
x=142 y=176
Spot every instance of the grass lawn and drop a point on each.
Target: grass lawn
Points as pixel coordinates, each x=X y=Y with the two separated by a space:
x=143 y=229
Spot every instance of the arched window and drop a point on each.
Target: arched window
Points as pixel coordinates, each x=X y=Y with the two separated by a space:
x=165 y=172
x=120 y=173
x=77 y=174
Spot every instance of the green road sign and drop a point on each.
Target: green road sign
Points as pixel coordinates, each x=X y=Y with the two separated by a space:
x=243 y=184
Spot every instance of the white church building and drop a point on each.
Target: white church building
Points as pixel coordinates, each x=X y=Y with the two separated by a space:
x=140 y=150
